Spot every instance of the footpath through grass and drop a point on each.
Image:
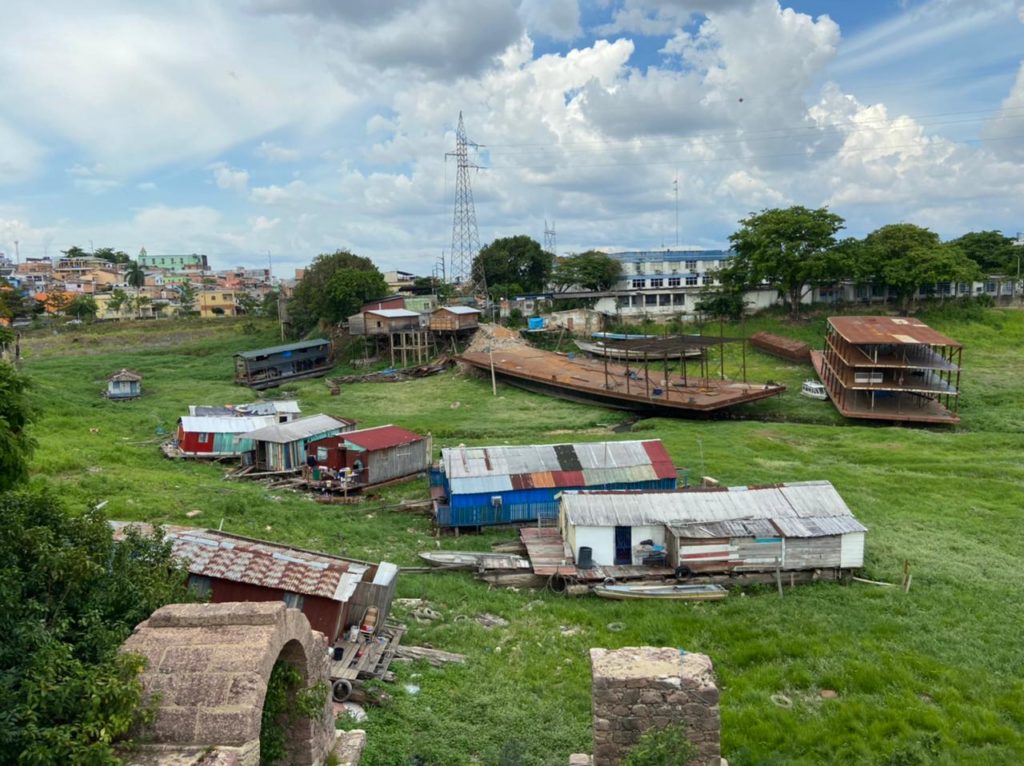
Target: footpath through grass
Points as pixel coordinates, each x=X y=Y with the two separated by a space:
x=929 y=677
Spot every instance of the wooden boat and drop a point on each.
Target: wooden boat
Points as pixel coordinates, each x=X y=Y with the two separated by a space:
x=662 y=591
x=475 y=560
x=600 y=349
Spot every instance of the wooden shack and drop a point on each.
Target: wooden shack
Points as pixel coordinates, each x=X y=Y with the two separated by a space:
x=455 y=319
x=124 y=384
x=331 y=591
x=213 y=436
x=796 y=526
x=373 y=455
x=387 y=321
x=781 y=346
x=282 y=447
x=270 y=367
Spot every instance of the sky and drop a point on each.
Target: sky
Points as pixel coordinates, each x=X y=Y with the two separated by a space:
x=269 y=131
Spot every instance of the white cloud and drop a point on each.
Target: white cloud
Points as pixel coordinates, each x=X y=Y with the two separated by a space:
x=20 y=156
x=227 y=178
x=278 y=195
x=556 y=19
x=1005 y=133
x=271 y=152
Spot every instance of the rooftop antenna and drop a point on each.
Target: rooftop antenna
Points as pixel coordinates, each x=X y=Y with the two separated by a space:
x=465 y=236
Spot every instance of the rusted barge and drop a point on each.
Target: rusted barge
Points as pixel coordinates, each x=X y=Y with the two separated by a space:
x=646 y=387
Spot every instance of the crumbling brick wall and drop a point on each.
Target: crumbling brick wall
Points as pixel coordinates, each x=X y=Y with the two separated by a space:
x=639 y=688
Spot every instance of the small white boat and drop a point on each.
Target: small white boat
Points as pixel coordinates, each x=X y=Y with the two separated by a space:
x=812 y=389
x=475 y=560
x=612 y=352
x=661 y=591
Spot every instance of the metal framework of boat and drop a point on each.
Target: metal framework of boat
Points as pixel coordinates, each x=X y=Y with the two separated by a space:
x=645 y=387
x=661 y=591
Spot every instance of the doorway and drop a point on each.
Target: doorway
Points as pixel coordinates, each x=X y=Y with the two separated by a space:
x=623 y=546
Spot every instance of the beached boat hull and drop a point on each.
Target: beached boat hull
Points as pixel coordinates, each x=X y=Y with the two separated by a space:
x=476 y=560
x=672 y=592
x=599 y=349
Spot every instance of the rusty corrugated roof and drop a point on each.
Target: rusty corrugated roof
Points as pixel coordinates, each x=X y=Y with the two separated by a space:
x=883 y=330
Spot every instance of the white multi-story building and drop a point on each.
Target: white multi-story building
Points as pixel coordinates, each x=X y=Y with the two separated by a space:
x=669 y=282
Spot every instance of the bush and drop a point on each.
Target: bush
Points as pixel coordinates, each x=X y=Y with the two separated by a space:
x=662 y=747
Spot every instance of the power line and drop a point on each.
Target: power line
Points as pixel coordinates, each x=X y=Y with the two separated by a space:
x=465 y=236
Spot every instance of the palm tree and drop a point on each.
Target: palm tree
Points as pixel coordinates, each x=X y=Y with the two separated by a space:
x=135 y=276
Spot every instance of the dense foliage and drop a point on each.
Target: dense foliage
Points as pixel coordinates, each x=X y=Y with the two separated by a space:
x=333 y=288
x=285 y=703
x=993 y=252
x=513 y=265
x=15 y=414
x=788 y=249
x=906 y=257
x=71 y=596
x=662 y=747
x=591 y=270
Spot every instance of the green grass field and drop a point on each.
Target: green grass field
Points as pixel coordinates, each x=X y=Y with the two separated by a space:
x=935 y=676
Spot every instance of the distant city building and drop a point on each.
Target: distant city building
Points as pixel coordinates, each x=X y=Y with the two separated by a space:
x=193 y=262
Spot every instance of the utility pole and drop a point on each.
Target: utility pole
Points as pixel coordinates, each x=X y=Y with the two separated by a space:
x=675 y=188
x=465 y=236
x=17 y=254
x=549 y=237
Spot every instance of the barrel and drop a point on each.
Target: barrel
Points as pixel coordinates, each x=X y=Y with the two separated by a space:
x=586 y=558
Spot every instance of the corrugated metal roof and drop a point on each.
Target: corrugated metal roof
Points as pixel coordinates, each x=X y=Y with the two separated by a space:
x=281 y=349
x=381 y=437
x=302 y=428
x=889 y=330
x=460 y=309
x=285 y=406
x=476 y=484
x=392 y=313
x=800 y=509
x=225 y=425
x=553 y=465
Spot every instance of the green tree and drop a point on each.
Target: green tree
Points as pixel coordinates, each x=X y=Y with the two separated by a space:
x=906 y=258
x=83 y=307
x=248 y=304
x=118 y=300
x=71 y=596
x=186 y=299
x=268 y=306
x=789 y=249
x=135 y=276
x=314 y=300
x=57 y=301
x=74 y=252
x=112 y=255
x=12 y=301
x=993 y=252
x=592 y=270
x=15 y=415
x=349 y=289
x=513 y=265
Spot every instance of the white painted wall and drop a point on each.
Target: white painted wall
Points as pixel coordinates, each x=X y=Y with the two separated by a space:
x=600 y=539
x=851 y=551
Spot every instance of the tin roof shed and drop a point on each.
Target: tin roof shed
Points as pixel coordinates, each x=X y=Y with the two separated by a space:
x=303 y=428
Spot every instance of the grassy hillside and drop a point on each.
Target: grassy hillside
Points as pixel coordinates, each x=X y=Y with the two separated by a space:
x=929 y=677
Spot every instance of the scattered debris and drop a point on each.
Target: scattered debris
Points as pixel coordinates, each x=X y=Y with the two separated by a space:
x=412 y=688
x=425 y=614
x=829 y=694
x=616 y=627
x=569 y=630
x=491 y=620
x=193 y=513
x=455 y=405
x=435 y=657
x=409 y=603
x=353 y=710
x=533 y=605
x=781 y=700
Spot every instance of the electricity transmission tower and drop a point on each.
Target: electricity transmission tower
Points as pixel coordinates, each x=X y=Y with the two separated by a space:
x=465 y=237
x=549 y=237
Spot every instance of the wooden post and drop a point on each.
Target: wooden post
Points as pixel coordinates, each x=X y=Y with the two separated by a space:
x=647 y=378
x=907 y=577
x=778 y=574
x=721 y=354
x=494 y=382
x=606 y=369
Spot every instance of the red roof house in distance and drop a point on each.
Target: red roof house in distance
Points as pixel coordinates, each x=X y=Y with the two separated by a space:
x=374 y=455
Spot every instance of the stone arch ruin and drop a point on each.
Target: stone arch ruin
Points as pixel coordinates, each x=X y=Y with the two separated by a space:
x=207 y=671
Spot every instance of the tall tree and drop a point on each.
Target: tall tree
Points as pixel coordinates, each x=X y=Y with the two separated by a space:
x=591 y=270
x=118 y=300
x=906 y=258
x=993 y=252
x=135 y=276
x=71 y=596
x=186 y=299
x=314 y=300
x=75 y=252
x=15 y=415
x=12 y=301
x=789 y=249
x=513 y=265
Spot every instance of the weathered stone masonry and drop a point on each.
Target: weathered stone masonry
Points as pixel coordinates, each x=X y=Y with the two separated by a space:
x=639 y=688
